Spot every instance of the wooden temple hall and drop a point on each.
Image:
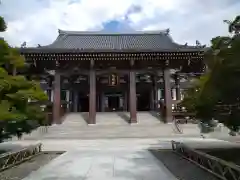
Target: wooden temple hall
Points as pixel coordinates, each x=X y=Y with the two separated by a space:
x=104 y=72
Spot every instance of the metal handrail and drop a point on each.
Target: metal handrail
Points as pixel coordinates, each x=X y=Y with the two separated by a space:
x=220 y=168
x=10 y=159
x=176 y=125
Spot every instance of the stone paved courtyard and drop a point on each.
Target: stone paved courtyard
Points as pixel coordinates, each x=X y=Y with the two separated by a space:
x=102 y=164
x=127 y=158
x=113 y=149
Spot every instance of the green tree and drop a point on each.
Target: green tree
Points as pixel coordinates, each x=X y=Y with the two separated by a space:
x=2 y=24
x=20 y=99
x=217 y=93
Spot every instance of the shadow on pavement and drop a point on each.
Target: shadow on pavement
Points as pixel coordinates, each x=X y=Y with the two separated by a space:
x=180 y=167
x=124 y=116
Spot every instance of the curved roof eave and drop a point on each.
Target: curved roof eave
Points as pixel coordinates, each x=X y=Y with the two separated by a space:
x=64 y=50
x=145 y=41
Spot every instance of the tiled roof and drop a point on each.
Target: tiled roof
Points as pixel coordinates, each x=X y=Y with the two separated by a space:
x=156 y=40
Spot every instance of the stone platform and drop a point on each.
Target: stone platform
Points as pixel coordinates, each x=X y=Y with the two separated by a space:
x=112 y=125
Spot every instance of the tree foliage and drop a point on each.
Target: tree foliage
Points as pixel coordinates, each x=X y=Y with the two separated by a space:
x=2 y=24
x=217 y=93
x=20 y=99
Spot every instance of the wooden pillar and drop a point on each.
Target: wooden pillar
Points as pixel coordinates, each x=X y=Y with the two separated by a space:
x=152 y=95
x=92 y=94
x=132 y=94
x=75 y=101
x=125 y=108
x=155 y=93
x=167 y=95
x=68 y=100
x=177 y=84
x=99 y=101
x=57 y=98
x=152 y=99
x=102 y=99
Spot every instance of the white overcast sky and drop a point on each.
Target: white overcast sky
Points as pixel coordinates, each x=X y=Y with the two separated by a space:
x=38 y=21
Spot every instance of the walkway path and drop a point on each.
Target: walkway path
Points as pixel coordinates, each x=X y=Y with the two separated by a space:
x=120 y=159
x=119 y=165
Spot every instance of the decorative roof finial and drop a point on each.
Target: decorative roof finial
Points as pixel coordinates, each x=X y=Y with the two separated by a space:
x=198 y=43
x=59 y=31
x=167 y=31
x=24 y=44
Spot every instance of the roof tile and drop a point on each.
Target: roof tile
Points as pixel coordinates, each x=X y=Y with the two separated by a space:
x=99 y=40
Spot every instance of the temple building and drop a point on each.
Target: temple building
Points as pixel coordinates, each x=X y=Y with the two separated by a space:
x=103 y=72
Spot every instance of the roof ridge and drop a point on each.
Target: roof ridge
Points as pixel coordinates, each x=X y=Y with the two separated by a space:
x=155 y=32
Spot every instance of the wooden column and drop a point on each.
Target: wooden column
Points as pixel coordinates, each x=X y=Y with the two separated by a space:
x=167 y=95
x=68 y=100
x=151 y=96
x=102 y=99
x=155 y=93
x=125 y=101
x=177 y=84
x=57 y=98
x=132 y=94
x=92 y=94
x=75 y=101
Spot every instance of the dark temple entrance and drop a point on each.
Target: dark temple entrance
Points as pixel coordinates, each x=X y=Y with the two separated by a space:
x=83 y=103
x=143 y=101
x=114 y=102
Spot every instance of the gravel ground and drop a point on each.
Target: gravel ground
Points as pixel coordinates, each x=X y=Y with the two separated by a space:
x=22 y=170
x=181 y=168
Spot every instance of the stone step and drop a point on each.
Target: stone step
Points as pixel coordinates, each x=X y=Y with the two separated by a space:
x=108 y=127
x=110 y=118
x=94 y=132
x=111 y=125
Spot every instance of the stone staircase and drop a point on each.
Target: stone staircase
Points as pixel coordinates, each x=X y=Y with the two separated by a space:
x=145 y=118
x=75 y=119
x=110 y=118
x=111 y=125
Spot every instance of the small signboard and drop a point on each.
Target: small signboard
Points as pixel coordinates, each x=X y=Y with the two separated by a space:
x=113 y=80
